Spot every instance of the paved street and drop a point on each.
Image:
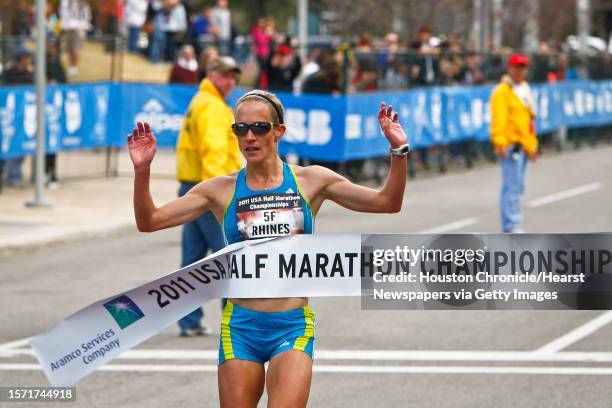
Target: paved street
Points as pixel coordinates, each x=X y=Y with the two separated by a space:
x=362 y=358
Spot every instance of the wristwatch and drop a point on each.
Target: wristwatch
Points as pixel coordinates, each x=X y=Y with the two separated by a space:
x=400 y=151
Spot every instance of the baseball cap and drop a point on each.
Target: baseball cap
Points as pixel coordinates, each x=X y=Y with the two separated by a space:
x=283 y=50
x=223 y=64
x=518 y=60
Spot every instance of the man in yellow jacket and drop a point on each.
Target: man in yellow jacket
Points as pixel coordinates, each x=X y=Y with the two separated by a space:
x=513 y=137
x=206 y=148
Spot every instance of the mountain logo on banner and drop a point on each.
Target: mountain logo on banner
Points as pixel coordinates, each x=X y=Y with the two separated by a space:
x=154 y=113
x=124 y=311
x=29 y=115
x=7 y=121
x=72 y=107
x=54 y=114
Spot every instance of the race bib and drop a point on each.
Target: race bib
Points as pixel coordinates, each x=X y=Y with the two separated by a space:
x=270 y=215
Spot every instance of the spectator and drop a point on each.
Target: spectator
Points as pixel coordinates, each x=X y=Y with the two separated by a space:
x=425 y=40
x=202 y=31
x=364 y=43
x=189 y=13
x=396 y=75
x=564 y=70
x=312 y=66
x=222 y=21
x=513 y=137
x=387 y=55
x=209 y=54
x=366 y=78
x=495 y=67
x=155 y=26
x=473 y=74
x=364 y=59
x=135 y=15
x=19 y=22
x=175 y=26
x=112 y=13
x=185 y=69
x=282 y=68
x=19 y=73
x=328 y=80
x=55 y=75
x=54 y=26
x=426 y=69
x=541 y=63
x=201 y=24
x=394 y=67
x=76 y=17
x=262 y=35
x=452 y=69
x=454 y=45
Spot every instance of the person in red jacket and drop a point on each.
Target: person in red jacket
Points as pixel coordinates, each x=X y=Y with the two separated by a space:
x=185 y=69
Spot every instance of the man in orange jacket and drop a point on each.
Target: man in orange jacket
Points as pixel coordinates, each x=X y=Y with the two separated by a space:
x=513 y=137
x=206 y=148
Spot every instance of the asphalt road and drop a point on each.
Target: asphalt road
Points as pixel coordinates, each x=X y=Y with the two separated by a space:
x=395 y=358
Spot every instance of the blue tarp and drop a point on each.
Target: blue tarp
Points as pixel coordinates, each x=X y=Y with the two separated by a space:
x=320 y=127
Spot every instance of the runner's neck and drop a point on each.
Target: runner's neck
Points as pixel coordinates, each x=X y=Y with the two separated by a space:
x=266 y=175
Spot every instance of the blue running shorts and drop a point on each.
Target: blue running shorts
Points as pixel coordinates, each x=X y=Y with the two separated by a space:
x=259 y=336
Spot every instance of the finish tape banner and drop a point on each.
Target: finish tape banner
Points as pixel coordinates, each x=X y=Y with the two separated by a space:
x=296 y=266
x=388 y=271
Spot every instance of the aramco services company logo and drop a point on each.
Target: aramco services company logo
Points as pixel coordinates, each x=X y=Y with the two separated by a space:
x=124 y=311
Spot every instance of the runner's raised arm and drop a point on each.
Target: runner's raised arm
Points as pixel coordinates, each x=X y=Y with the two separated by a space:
x=143 y=146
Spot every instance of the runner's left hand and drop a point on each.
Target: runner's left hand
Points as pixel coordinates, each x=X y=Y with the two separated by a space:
x=390 y=126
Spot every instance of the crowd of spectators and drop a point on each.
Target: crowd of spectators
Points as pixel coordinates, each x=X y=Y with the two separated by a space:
x=444 y=60
x=173 y=31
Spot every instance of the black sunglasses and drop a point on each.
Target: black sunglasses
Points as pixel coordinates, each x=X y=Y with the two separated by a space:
x=258 y=128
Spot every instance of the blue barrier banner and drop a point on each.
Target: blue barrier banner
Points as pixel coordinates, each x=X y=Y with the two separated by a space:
x=315 y=126
x=319 y=127
x=163 y=106
x=76 y=118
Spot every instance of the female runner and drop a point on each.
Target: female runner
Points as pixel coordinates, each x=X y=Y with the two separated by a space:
x=255 y=331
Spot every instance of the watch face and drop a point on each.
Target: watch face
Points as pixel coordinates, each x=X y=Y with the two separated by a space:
x=400 y=151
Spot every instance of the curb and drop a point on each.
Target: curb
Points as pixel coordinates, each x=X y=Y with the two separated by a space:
x=54 y=236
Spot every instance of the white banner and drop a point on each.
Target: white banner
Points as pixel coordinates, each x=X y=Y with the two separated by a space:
x=294 y=266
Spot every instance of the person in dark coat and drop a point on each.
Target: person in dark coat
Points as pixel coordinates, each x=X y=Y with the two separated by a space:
x=282 y=68
x=20 y=72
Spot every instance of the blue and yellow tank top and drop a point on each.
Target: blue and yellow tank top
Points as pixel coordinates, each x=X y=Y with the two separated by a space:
x=254 y=214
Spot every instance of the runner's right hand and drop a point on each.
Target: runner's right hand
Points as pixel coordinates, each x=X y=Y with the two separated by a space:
x=142 y=145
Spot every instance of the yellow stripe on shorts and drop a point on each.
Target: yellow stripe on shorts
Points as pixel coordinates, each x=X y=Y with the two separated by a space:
x=302 y=341
x=226 y=339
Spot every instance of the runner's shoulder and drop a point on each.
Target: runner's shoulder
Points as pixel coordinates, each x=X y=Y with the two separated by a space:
x=312 y=171
x=315 y=174
x=218 y=184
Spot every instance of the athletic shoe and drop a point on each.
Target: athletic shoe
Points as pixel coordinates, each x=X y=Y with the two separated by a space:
x=196 y=331
x=202 y=331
